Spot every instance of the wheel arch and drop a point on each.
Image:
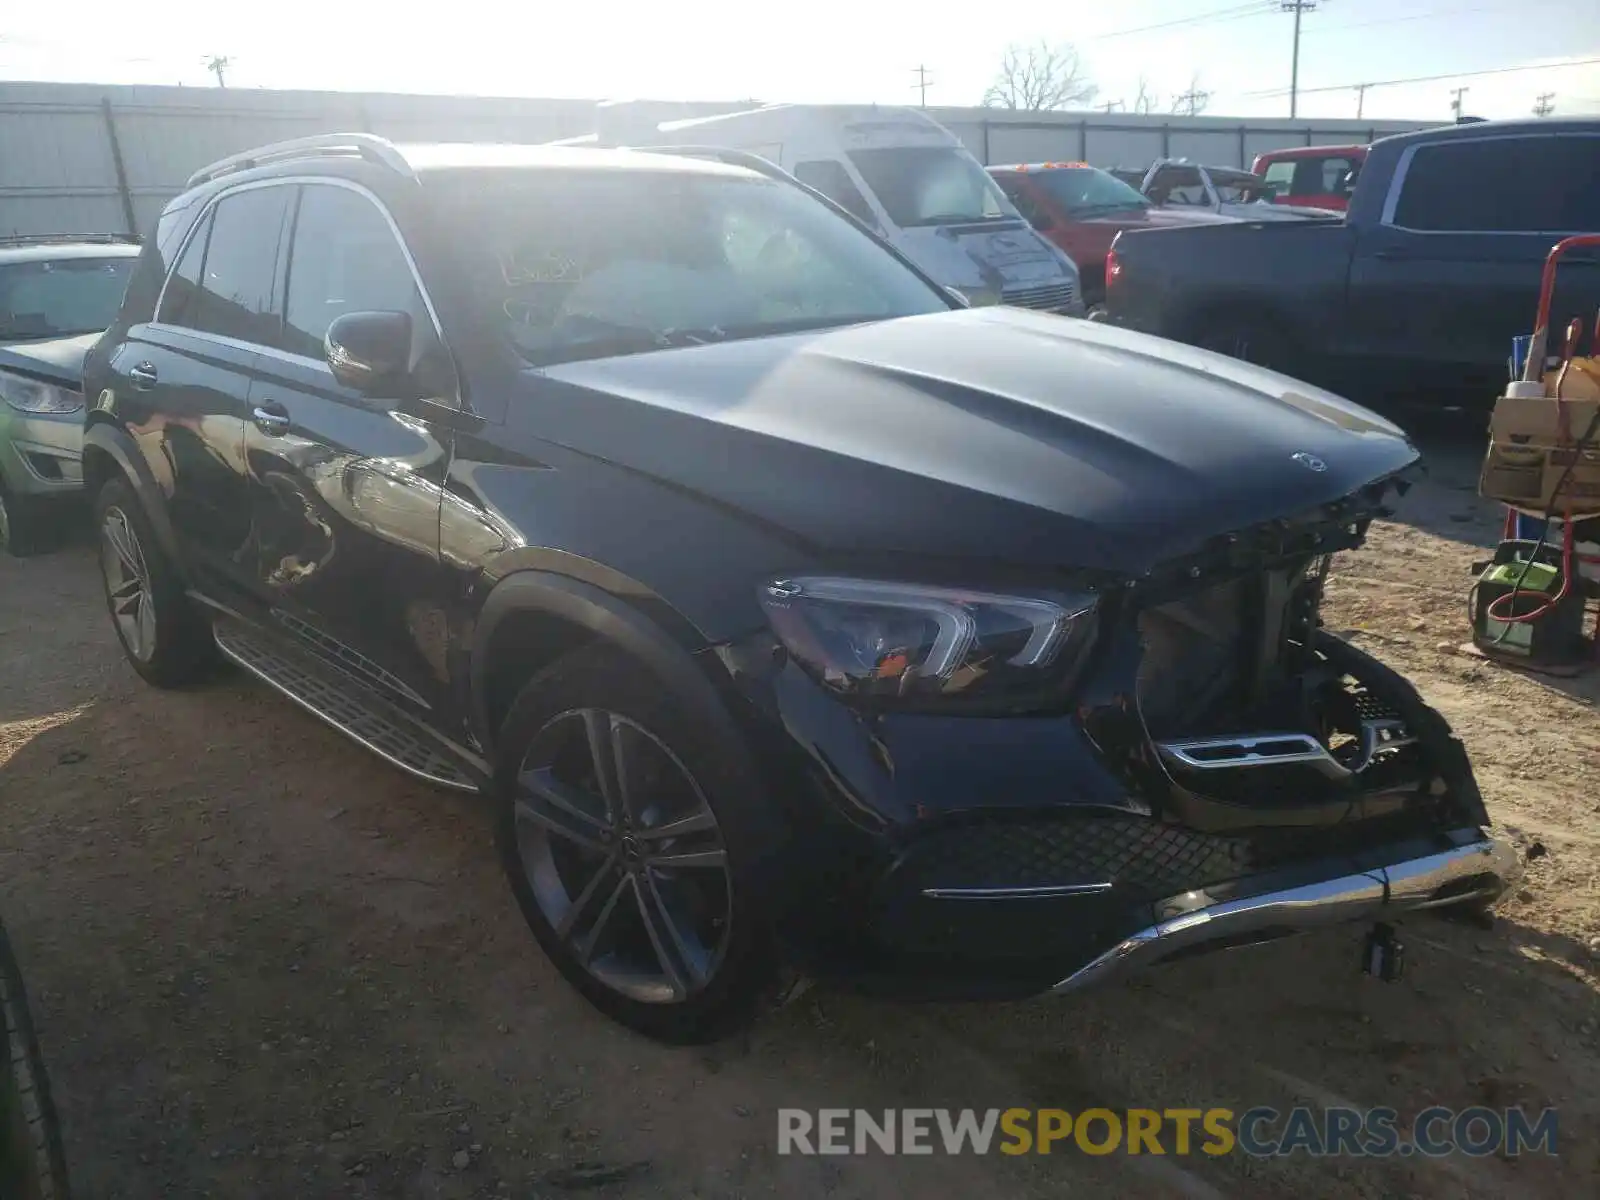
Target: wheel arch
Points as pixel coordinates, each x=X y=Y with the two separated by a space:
x=108 y=453
x=533 y=617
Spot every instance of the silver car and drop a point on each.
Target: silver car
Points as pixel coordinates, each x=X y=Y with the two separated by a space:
x=57 y=295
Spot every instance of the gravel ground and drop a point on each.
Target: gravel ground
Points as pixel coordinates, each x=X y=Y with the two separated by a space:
x=264 y=964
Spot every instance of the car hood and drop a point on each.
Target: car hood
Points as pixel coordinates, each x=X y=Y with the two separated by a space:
x=57 y=360
x=989 y=433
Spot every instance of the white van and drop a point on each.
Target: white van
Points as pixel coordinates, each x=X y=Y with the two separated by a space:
x=900 y=172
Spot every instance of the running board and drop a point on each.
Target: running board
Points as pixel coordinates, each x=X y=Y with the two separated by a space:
x=342 y=706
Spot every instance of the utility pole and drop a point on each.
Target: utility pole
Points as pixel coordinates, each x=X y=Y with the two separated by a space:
x=1455 y=105
x=1545 y=104
x=1111 y=106
x=922 y=83
x=1296 y=7
x=217 y=64
x=1361 y=98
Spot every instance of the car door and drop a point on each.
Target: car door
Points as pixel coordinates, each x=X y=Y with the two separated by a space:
x=182 y=381
x=345 y=487
x=1450 y=274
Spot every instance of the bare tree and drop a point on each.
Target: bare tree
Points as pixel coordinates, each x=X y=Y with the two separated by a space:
x=1039 y=77
x=1147 y=100
x=1193 y=102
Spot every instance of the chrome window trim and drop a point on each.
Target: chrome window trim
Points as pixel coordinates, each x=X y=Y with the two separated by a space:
x=1392 y=201
x=289 y=181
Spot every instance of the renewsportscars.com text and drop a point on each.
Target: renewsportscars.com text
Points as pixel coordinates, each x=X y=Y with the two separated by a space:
x=1260 y=1132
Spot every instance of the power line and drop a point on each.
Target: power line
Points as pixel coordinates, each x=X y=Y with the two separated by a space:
x=1437 y=12
x=1260 y=8
x=1455 y=104
x=1345 y=87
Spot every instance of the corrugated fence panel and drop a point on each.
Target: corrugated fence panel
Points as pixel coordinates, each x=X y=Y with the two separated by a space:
x=58 y=172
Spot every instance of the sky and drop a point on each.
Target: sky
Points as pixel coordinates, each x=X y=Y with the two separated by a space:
x=832 y=51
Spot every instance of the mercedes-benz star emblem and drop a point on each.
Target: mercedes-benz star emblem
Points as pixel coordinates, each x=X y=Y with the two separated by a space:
x=1309 y=461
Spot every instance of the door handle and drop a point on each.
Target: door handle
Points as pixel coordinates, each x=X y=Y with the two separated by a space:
x=143 y=376
x=272 y=419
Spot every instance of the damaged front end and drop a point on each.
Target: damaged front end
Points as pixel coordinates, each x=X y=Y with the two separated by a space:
x=1342 y=794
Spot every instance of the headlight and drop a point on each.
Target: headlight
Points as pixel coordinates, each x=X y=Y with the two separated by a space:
x=30 y=396
x=873 y=638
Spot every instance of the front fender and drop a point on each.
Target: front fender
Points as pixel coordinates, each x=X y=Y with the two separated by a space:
x=599 y=612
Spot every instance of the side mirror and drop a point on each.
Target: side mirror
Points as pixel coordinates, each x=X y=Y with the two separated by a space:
x=370 y=351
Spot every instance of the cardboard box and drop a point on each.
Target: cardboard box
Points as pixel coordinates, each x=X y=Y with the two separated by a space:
x=1527 y=458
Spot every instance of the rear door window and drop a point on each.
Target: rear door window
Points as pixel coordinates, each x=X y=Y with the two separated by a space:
x=239 y=270
x=830 y=178
x=1537 y=184
x=178 y=301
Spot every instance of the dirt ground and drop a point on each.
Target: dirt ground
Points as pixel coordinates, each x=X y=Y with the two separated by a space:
x=264 y=964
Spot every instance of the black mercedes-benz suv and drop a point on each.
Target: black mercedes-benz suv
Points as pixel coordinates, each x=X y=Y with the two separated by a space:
x=799 y=621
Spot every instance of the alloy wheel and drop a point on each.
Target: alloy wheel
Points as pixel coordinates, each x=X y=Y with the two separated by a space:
x=624 y=856
x=127 y=584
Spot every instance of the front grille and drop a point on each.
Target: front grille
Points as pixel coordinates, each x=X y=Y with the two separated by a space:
x=1146 y=858
x=1052 y=297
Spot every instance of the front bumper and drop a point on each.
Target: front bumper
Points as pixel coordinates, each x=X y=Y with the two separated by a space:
x=41 y=454
x=1477 y=871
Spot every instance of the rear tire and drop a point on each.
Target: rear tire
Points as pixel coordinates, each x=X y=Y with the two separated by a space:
x=680 y=953
x=164 y=635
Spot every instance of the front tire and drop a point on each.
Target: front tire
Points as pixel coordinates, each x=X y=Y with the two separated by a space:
x=164 y=636
x=631 y=830
x=25 y=526
x=32 y=1165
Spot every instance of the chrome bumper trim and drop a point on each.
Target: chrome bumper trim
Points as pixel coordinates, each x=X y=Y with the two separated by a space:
x=1481 y=870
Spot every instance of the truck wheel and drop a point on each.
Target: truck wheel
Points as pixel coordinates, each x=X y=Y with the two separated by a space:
x=165 y=637
x=631 y=832
x=32 y=1165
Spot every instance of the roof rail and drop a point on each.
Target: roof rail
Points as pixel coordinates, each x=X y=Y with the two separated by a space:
x=735 y=158
x=322 y=145
x=49 y=239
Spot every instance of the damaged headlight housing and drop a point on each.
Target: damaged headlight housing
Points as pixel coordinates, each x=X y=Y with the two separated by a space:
x=31 y=396
x=920 y=642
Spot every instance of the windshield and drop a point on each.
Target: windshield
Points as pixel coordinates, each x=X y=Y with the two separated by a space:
x=59 y=297
x=590 y=264
x=1088 y=189
x=1242 y=188
x=931 y=185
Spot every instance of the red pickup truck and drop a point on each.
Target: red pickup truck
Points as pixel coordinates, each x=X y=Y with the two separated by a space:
x=1082 y=209
x=1315 y=176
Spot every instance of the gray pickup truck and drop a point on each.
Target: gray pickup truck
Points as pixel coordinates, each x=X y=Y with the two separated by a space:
x=1419 y=290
